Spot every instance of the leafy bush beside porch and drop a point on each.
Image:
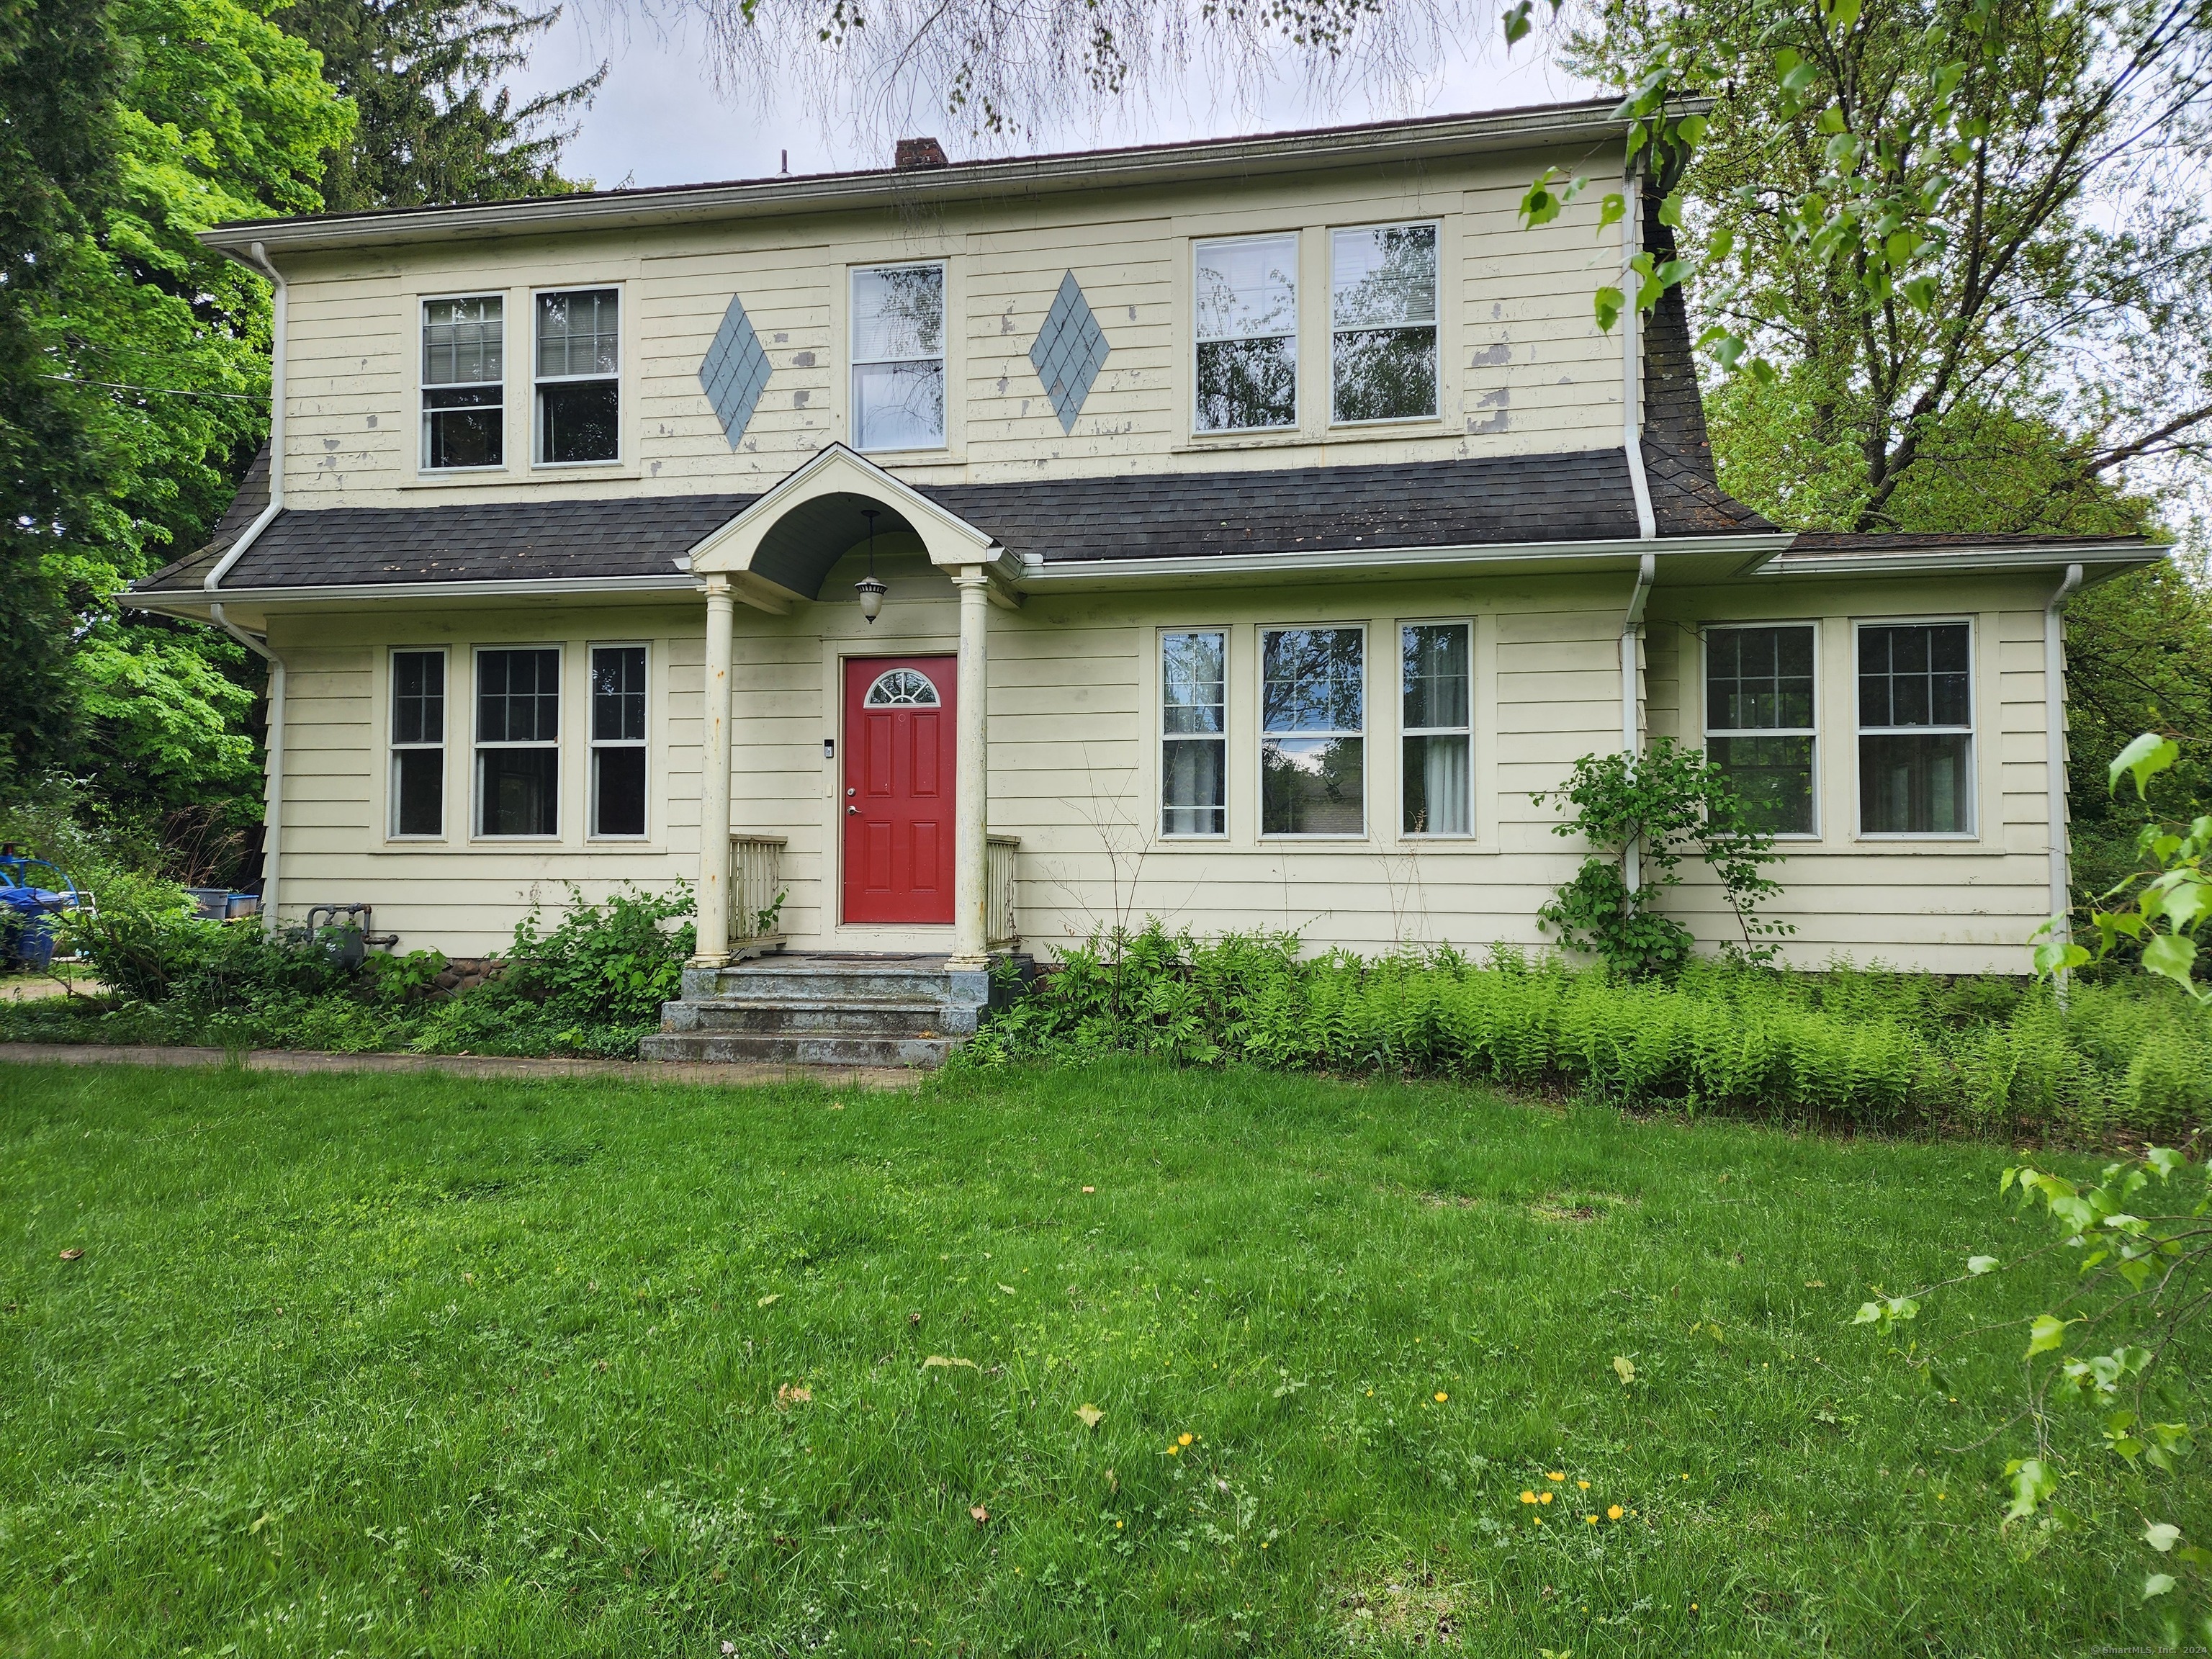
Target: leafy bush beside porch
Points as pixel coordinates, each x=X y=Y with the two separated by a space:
x=1880 y=1050
x=591 y=983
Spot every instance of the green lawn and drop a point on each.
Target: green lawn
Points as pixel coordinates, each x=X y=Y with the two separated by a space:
x=390 y=1365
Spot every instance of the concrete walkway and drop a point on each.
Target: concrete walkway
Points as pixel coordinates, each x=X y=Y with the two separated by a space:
x=472 y=1066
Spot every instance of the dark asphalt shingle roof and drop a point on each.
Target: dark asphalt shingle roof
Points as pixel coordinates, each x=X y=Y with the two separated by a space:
x=1583 y=496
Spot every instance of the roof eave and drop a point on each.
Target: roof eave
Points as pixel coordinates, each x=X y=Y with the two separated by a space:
x=1501 y=130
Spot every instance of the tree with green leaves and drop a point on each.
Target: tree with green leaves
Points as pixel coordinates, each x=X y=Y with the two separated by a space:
x=60 y=64
x=143 y=359
x=434 y=122
x=1944 y=231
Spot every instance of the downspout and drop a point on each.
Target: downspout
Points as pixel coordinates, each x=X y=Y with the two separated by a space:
x=257 y=257
x=1631 y=446
x=1631 y=734
x=273 y=802
x=2054 y=728
x=1631 y=355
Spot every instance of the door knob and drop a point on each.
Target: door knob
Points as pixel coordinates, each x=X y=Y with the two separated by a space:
x=853 y=812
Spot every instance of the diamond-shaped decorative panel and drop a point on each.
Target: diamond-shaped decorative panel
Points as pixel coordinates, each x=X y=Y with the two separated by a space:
x=1070 y=350
x=735 y=371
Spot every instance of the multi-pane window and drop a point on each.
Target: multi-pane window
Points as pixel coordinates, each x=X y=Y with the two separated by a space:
x=418 y=743
x=1760 y=721
x=1313 y=745
x=618 y=741
x=1916 y=729
x=463 y=382
x=1439 y=731
x=519 y=742
x=1382 y=320
x=899 y=357
x=1194 y=733
x=579 y=376
x=1245 y=302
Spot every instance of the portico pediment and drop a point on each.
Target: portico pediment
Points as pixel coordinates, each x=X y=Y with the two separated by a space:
x=785 y=542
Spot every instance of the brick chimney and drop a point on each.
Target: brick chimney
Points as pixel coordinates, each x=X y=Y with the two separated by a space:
x=921 y=152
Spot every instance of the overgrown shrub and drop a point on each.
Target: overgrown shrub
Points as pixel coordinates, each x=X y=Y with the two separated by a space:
x=592 y=982
x=1884 y=1050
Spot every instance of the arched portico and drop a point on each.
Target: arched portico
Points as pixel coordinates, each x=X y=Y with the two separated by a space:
x=778 y=552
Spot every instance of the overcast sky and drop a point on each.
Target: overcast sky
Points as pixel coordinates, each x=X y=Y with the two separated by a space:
x=659 y=121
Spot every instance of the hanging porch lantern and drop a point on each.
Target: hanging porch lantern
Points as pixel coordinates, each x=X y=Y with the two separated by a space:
x=871 y=591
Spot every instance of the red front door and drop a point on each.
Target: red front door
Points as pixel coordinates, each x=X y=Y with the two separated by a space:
x=899 y=775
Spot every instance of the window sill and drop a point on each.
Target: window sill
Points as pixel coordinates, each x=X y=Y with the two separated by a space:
x=1385 y=425
x=1347 y=840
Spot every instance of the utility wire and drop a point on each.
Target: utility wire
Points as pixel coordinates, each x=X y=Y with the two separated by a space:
x=157 y=390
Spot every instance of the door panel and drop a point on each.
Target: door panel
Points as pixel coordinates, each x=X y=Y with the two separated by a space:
x=898 y=788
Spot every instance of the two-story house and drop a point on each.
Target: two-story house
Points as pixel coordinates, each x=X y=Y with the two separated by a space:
x=1237 y=531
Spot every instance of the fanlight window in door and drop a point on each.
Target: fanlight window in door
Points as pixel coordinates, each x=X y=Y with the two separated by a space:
x=902 y=688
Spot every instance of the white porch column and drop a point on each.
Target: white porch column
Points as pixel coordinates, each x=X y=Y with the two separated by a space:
x=972 y=817
x=713 y=924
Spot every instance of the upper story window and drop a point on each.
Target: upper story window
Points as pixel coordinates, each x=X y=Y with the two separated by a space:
x=1245 y=305
x=1382 y=320
x=899 y=357
x=463 y=382
x=1760 y=721
x=1916 y=729
x=1313 y=727
x=579 y=376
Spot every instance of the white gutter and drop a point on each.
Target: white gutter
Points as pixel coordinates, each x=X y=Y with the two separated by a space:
x=182 y=601
x=1036 y=571
x=258 y=257
x=1632 y=733
x=1631 y=355
x=272 y=809
x=2054 y=776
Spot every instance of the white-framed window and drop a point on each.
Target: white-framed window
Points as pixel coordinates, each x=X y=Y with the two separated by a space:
x=1313 y=731
x=579 y=376
x=1436 y=714
x=902 y=688
x=1916 y=728
x=518 y=740
x=899 y=357
x=618 y=741
x=1383 y=324
x=418 y=744
x=1762 y=718
x=464 y=383
x=1194 y=732
x=1244 y=304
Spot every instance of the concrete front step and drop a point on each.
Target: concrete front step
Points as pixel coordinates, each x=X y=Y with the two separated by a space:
x=809 y=1009
x=868 y=1017
x=742 y=1048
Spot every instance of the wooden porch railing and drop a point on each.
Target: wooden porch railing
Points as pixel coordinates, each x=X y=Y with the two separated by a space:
x=999 y=924
x=756 y=890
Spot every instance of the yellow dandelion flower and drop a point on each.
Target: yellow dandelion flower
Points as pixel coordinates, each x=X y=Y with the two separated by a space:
x=1263 y=1543
x=1555 y=1475
x=1613 y=1514
x=1173 y=1450
x=1441 y=1397
x=1528 y=1497
x=1584 y=1485
x=1543 y=1497
x=1540 y=1520
x=1591 y=1519
x=1117 y=1526
x=1182 y=1440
